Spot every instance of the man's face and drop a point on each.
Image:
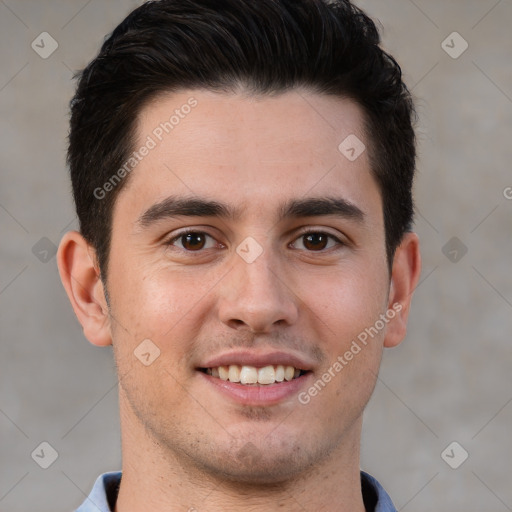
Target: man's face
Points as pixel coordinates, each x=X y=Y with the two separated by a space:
x=256 y=289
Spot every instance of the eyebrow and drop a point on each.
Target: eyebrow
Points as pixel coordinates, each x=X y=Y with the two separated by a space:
x=173 y=206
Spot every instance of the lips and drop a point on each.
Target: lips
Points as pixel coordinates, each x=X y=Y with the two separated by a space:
x=258 y=378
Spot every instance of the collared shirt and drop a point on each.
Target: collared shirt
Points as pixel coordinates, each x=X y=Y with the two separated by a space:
x=104 y=494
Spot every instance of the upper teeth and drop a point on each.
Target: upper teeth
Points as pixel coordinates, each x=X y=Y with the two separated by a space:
x=252 y=375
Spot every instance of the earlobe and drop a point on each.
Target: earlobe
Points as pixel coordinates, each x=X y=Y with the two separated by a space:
x=405 y=275
x=80 y=276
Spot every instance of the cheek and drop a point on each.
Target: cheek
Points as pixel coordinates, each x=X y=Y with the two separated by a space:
x=165 y=306
x=152 y=302
x=347 y=307
x=346 y=301
x=151 y=339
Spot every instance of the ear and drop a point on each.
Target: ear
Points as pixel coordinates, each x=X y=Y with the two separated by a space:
x=80 y=275
x=405 y=274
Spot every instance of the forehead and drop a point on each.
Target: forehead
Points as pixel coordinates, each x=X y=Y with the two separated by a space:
x=250 y=150
x=283 y=120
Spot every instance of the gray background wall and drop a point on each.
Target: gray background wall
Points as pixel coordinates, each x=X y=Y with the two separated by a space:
x=449 y=381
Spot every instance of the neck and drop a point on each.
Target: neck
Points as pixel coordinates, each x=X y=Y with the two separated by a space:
x=156 y=479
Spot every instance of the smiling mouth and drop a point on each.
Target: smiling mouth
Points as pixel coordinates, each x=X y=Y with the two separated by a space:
x=253 y=376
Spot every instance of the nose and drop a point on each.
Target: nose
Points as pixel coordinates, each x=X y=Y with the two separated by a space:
x=257 y=296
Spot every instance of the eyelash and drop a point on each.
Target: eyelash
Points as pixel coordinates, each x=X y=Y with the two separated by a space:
x=177 y=237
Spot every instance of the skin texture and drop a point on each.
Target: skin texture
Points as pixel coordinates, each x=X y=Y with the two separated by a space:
x=184 y=443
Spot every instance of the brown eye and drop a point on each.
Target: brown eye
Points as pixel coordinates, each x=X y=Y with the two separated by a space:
x=317 y=241
x=192 y=241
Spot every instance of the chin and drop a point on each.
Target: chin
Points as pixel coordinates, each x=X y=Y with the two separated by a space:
x=261 y=473
x=261 y=465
